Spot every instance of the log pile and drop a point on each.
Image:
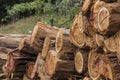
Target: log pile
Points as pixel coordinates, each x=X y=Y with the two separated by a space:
x=89 y=50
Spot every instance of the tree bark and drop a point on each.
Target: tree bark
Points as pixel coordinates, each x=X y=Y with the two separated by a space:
x=63 y=43
x=9 y=42
x=81 y=60
x=40 y=31
x=99 y=40
x=86 y=6
x=14 y=59
x=54 y=64
x=112 y=44
x=25 y=47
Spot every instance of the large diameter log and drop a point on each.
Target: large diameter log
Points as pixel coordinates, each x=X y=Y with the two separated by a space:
x=25 y=47
x=40 y=31
x=109 y=19
x=54 y=64
x=63 y=42
x=104 y=64
x=77 y=35
x=81 y=61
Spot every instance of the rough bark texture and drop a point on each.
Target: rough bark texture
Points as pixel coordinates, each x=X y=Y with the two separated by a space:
x=63 y=43
x=40 y=31
x=25 y=47
x=9 y=42
x=112 y=44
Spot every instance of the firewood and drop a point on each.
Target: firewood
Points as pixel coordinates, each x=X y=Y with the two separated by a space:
x=40 y=31
x=81 y=60
x=109 y=19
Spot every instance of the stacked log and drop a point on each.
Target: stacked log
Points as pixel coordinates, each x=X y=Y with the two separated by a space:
x=90 y=49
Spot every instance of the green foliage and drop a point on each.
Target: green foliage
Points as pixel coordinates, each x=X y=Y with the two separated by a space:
x=56 y=12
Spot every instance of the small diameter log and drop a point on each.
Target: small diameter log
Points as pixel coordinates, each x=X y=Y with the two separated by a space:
x=40 y=31
x=99 y=40
x=77 y=35
x=62 y=43
x=25 y=47
x=54 y=64
x=98 y=4
x=81 y=61
x=109 y=19
x=112 y=44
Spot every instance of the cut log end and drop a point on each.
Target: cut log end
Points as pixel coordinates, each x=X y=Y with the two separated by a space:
x=103 y=19
x=46 y=47
x=59 y=41
x=77 y=31
x=80 y=61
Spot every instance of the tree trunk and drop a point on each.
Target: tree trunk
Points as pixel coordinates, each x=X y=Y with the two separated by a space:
x=81 y=60
x=77 y=35
x=14 y=59
x=29 y=70
x=86 y=6
x=9 y=42
x=49 y=43
x=54 y=64
x=112 y=44
x=63 y=43
x=99 y=40
x=109 y=19
x=97 y=5
x=39 y=34
x=25 y=47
